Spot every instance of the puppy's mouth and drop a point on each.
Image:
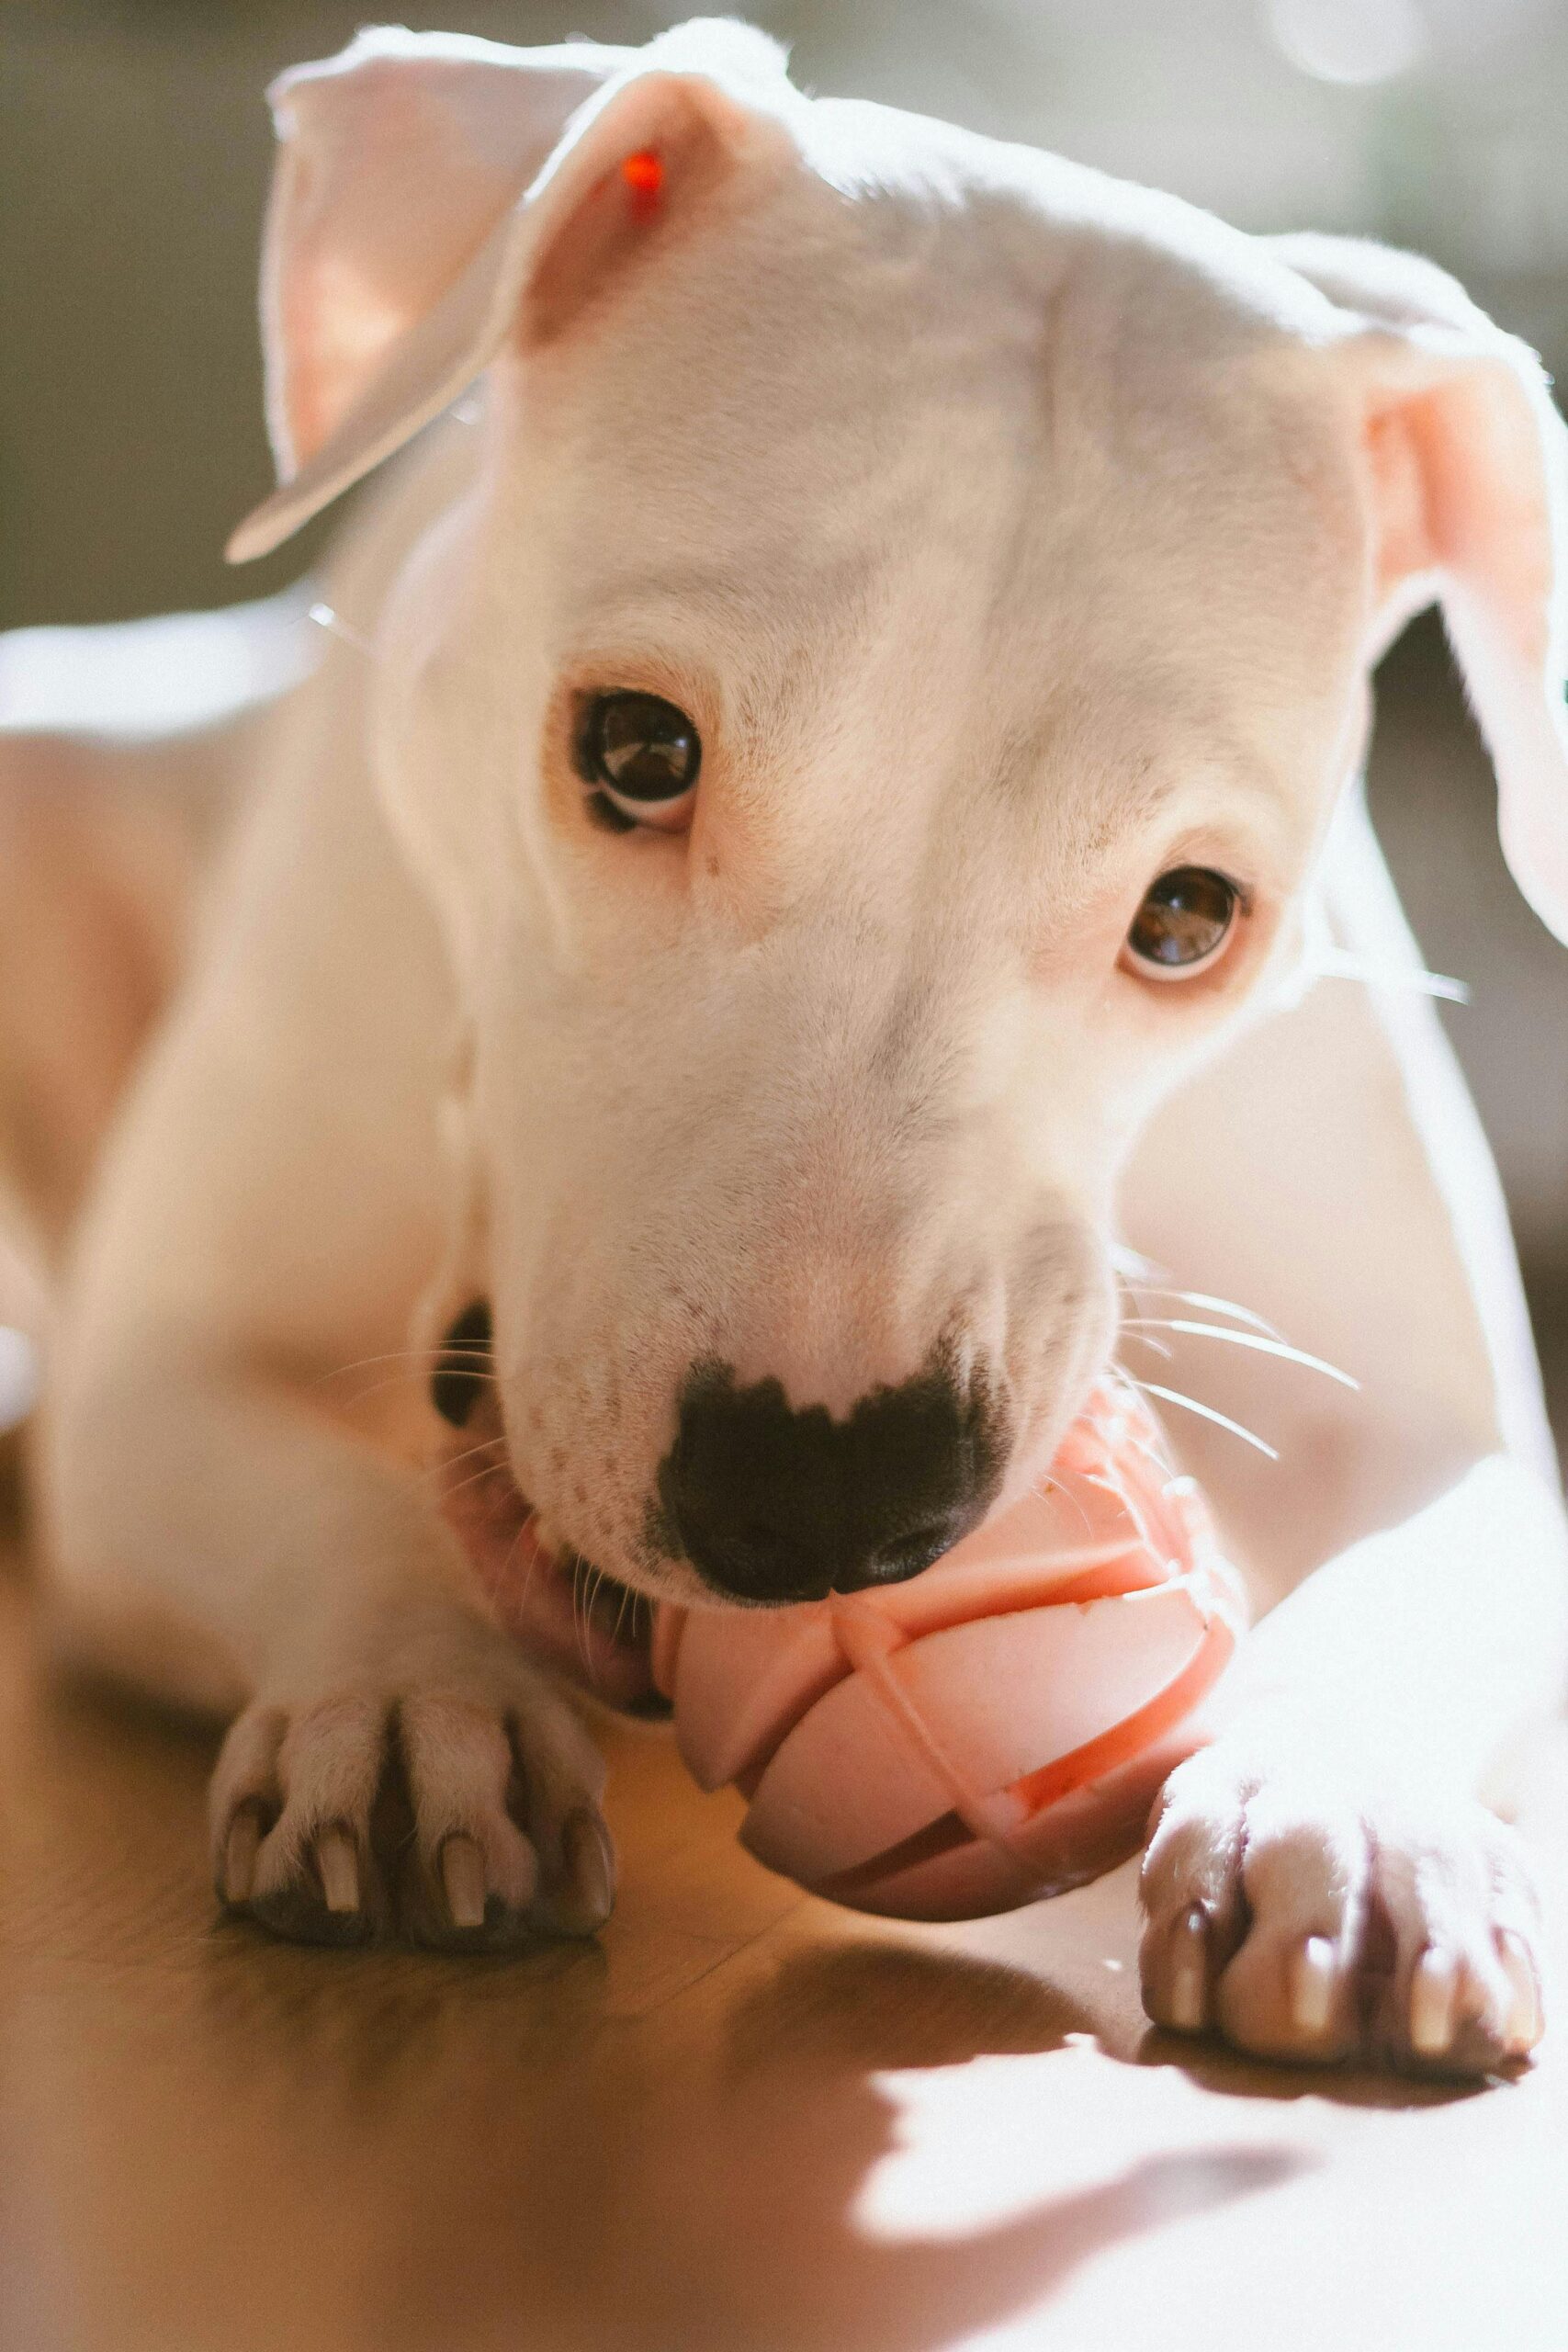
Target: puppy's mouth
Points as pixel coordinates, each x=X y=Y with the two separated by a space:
x=562 y=1610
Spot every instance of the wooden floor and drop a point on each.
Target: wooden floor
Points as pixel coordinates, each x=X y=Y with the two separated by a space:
x=741 y=2121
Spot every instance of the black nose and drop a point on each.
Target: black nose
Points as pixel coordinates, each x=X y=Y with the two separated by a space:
x=775 y=1505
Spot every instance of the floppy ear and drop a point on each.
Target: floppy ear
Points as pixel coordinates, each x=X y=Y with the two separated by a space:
x=1467 y=472
x=433 y=191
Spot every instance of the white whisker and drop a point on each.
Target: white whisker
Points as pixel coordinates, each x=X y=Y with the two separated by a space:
x=1209 y=1304
x=597 y=1579
x=581 y=1602
x=1123 y=1495
x=370 y=1363
x=1046 y=1484
x=399 y=1379
x=485 y=1470
x=1204 y=1412
x=1253 y=1340
x=415 y=1365
x=1130 y=1265
x=439 y=1469
x=529 y=1516
x=1335 y=964
x=325 y=617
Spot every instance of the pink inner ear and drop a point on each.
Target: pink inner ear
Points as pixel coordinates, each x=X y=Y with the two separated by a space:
x=1404 y=542
x=1467 y=475
x=397 y=160
x=645 y=196
x=1491 y=501
x=337 y=331
x=1458 y=486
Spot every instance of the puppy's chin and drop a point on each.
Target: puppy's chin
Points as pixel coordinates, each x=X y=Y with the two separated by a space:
x=556 y=1605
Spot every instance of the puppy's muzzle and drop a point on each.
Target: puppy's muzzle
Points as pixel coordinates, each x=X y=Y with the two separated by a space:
x=771 y=1504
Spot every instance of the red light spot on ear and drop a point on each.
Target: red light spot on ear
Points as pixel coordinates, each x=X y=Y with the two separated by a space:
x=644 y=175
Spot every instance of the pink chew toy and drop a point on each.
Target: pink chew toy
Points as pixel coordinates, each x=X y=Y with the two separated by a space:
x=996 y=1729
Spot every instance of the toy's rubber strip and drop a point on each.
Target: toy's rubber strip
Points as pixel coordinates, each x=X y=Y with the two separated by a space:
x=870 y=1642
x=1115 y=1576
x=1134 y=1732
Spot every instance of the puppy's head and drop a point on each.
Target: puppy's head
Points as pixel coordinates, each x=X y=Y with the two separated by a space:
x=867 y=727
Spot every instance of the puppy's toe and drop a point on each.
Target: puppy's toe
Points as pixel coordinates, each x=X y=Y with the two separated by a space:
x=1190 y=1889
x=459 y=1807
x=1291 y=1991
x=563 y=1780
x=1310 y=1921
x=1460 y=1925
x=509 y=1842
x=293 y=1807
x=1255 y=1893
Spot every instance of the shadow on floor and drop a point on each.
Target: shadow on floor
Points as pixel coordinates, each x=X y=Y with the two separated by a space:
x=210 y=2140
x=711 y=2198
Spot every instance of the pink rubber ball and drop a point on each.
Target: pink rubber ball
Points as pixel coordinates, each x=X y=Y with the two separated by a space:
x=995 y=1730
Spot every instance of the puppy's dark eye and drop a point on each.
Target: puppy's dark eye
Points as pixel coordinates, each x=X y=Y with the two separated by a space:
x=1186 y=918
x=641 y=756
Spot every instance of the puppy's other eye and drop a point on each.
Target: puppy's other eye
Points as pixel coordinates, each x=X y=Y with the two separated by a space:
x=1185 y=921
x=641 y=756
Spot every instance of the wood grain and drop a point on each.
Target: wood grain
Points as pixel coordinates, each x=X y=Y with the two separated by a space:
x=740 y=2122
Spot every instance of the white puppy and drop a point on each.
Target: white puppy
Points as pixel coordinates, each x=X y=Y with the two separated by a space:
x=835 y=782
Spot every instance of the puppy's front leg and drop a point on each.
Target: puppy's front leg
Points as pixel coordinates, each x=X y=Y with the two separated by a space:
x=1323 y=1882
x=397 y=1762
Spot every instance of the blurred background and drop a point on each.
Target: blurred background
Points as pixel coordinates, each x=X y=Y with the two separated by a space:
x=134 y=151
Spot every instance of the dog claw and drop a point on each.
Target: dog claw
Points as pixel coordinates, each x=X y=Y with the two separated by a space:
x=240 y=1855
x=338 y=1862
x=1524 y=2025
x=1186 y=1998
x=463 y=1879
x=1312 y=1986
x=1434 y=1988
x=589 y=1896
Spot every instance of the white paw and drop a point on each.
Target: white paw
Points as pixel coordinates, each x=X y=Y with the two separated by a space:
x=445 y=1793
x=1306 y=1919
